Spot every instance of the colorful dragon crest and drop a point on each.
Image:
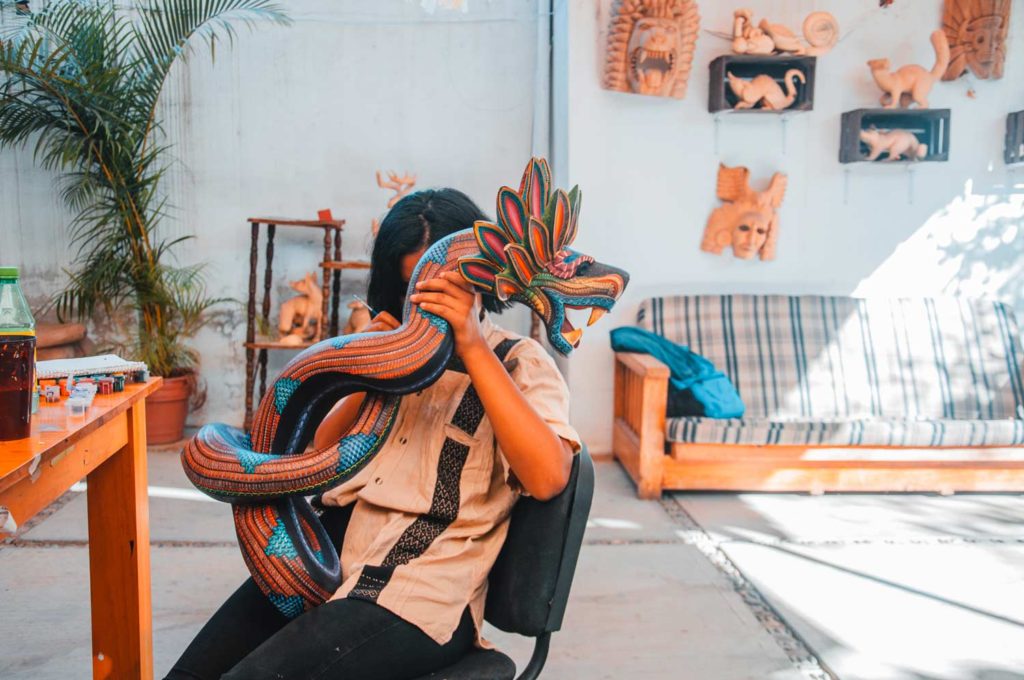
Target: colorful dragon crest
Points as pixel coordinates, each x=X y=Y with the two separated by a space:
x=526 y=257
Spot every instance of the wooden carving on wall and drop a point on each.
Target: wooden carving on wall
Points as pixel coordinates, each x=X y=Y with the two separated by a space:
x=821 y=32
x=650 y=46
x=400 y=185
x=976 y=30
x=897 y=144
x=911 y=83
x=748 y=222
x=765 y=91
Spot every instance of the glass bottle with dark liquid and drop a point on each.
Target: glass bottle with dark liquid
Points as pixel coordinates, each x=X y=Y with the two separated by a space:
x=17 y=358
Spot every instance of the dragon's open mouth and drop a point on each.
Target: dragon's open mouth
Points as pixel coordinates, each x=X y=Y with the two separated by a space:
x=650 y=68
x=572 y=334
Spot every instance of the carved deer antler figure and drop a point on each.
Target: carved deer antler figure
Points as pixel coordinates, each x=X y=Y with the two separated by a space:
x=749 y=221
x=400 y=185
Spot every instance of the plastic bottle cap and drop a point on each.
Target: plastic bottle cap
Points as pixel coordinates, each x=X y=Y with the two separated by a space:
x=8 y=272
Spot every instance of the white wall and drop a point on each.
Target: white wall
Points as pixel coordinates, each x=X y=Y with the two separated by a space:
x=295 y=119
x=648 y=166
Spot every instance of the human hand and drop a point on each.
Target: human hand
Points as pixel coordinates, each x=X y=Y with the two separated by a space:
x=381 y=322
x=452 y=298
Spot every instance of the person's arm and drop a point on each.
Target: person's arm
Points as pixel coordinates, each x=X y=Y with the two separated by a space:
x=540 y=459
x=340 y=418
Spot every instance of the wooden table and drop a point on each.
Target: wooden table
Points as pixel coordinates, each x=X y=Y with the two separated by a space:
x=108 y=445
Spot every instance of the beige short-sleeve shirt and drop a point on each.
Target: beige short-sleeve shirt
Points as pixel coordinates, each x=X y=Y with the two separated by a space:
x=432 y=508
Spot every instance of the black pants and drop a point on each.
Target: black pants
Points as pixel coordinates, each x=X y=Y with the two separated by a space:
x=249 y=639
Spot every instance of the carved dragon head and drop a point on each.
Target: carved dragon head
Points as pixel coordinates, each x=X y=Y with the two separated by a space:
x=650 y=46
x=526 y=257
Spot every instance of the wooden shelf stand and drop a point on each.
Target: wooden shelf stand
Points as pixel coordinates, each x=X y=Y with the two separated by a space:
x=332 y=264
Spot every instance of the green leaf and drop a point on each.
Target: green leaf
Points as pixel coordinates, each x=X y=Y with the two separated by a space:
x=79 y=83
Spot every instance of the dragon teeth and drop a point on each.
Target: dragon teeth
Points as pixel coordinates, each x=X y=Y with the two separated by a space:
x=572 y=337
x=595 y=314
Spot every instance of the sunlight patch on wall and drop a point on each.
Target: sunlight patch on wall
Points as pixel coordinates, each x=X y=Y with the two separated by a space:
x=972 y=247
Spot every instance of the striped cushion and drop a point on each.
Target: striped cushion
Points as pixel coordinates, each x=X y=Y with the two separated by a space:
x=838 y=432
x=824 y=359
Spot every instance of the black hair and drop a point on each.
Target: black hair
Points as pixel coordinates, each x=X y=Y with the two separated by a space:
x=418 y=220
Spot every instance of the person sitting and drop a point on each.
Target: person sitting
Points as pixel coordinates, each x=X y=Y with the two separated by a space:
x=420 y=526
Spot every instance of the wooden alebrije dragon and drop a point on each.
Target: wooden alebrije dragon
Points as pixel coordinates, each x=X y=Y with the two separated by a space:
x=267 y=473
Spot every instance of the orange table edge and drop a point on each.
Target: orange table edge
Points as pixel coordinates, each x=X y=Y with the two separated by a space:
x=108 y=447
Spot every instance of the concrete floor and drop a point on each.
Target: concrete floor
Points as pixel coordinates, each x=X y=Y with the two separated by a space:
x=885 y=587
x=698 y=586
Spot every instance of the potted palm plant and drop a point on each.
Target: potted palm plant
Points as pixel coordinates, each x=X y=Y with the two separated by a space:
x=80 y=81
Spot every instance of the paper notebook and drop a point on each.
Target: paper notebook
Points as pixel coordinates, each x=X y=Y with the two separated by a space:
x=103 y=363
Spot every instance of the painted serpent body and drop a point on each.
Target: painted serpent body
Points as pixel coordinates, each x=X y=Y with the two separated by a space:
x=266 y=475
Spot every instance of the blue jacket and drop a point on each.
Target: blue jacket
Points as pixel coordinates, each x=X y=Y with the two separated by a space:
x=696 y=387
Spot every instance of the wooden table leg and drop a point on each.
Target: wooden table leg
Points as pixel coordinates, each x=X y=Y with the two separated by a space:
x=122 y=624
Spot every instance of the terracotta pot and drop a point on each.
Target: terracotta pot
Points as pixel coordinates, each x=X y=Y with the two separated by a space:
x=166 y=410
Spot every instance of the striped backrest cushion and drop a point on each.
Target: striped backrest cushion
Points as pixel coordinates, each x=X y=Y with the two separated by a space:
x=829 y=357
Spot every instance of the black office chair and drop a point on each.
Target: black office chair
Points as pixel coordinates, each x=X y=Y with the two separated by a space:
x=529 y=584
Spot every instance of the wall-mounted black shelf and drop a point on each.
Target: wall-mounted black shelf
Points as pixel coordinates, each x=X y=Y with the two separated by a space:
x=930 y=126
x=747 y=66
x=1013 y=151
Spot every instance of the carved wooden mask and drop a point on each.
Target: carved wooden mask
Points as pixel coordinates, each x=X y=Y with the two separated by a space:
x=650 y=46
x=976 y=30
x=748 y=221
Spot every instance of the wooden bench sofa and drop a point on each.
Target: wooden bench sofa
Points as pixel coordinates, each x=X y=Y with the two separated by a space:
x=841 y=394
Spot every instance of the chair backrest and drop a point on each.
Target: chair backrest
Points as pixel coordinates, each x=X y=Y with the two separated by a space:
x=841 y=357
x=529 y=583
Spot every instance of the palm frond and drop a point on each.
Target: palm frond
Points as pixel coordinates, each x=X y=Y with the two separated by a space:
x=164 y=31
x=79 y=82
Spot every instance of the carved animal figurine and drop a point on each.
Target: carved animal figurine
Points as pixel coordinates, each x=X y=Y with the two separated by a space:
x=897 y=144
x=358 y=318
x=650 y=47
x=976 y=31
x=300 y=316
x=764 y=90
x=748 y=222
x=910 y=83
x=820 y=29
x=400 y=185
x=747 y=38
x=268 y=473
